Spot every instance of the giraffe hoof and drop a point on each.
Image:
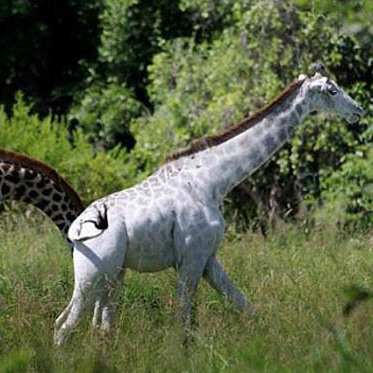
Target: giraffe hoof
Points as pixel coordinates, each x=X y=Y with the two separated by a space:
x=251 y=312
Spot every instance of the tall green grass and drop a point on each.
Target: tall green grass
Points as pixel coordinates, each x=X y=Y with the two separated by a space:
x=296 y=280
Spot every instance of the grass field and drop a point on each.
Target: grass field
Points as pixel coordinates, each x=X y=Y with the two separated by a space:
x=296 y=280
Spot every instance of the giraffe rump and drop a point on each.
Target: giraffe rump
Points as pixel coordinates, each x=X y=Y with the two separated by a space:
x=80 y=231
x=205 y=142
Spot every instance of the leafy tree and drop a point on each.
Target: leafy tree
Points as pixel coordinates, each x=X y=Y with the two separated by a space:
x=132 y=33
x=43 y=44
x=130 y=36
x=350 y=191
x=104 y=114
x=345 y=13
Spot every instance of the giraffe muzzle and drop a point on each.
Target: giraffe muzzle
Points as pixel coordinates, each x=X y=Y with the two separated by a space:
x=356 y=116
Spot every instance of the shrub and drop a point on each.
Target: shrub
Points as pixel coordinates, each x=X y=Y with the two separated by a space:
x=350 y=189
x=92 y=174
x=105 y=113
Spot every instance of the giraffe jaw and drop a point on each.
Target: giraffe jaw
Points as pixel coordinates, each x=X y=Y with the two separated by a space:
x=356 y=115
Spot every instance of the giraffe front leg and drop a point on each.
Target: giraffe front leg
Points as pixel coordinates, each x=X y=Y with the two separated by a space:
x=189 y=276
x=219 y=280
x=197 y=235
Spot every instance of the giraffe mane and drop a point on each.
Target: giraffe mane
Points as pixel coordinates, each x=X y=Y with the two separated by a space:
x=205 y=142
x=23 y=160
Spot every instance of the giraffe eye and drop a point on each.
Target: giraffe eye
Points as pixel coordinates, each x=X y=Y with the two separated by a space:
x=332 y=91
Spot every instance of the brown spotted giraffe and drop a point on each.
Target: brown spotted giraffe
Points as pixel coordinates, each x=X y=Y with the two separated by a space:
x=31 y=181
x=173 y=219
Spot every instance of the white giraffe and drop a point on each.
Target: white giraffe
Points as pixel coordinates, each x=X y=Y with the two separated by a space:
x=172 y=218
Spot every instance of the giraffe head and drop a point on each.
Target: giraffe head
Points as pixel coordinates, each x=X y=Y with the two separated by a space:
x=326 y=96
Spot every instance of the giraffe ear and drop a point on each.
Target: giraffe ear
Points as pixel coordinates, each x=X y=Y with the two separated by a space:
x=317 y=68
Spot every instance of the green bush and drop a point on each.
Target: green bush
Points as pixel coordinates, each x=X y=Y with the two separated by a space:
x=105 y=113
x=132 y=33
x=350 y=190
x=92 y=174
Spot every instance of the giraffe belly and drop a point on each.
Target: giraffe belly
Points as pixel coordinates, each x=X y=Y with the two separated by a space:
x=150 y=244
x=152 y=256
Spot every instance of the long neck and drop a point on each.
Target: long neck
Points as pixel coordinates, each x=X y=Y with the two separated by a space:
x=45 y=190
x=224 y=166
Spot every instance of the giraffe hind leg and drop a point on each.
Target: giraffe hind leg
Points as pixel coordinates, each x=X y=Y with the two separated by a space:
x=70 y=317
x=219 y=280
x=97 y=313
x=104 y=305
x=97 y=262
x=99 y=302
x=63 y=316
x=108 y=310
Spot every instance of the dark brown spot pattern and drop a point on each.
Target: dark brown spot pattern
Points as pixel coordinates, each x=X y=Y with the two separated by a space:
x=38 y=184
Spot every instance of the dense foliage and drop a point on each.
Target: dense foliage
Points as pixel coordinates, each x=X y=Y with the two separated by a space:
x=92 y=173
x=42 y=45
x=132 y=81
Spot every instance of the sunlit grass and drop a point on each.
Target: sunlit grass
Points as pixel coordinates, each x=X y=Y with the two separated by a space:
x=297 y=282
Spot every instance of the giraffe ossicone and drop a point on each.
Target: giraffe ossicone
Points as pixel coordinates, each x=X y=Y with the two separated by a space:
x=172 y=218
x=317 y=67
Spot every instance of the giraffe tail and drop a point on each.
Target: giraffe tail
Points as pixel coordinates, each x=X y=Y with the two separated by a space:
x=90 y=224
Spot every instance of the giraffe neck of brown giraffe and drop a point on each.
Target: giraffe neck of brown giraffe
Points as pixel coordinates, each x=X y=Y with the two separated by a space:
x=33 y=182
